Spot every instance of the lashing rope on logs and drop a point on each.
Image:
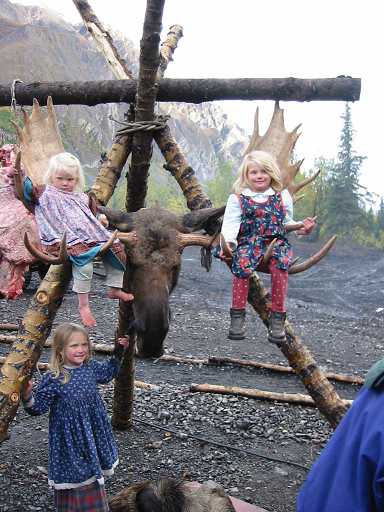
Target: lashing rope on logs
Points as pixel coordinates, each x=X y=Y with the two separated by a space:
x=146 y=126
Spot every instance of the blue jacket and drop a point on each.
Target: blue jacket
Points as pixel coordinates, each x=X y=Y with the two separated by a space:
x=349 y=474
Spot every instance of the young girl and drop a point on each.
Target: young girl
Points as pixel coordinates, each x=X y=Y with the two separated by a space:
x=256 y=213
x=82 y=449
x=61 y=207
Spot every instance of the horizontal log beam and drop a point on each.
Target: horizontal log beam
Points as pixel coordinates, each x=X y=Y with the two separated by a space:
x=186 y=90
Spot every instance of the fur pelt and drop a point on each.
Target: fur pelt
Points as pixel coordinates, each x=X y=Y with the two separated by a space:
x=169 y=495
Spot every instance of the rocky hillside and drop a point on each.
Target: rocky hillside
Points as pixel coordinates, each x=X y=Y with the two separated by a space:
x=38 y=45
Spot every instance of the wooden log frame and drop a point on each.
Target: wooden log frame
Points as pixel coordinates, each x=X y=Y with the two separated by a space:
x=197 y=90
x=326 y=398
x=38 y=320
x=25 y=351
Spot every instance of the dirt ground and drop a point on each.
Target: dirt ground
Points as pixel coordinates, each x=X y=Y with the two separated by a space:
x=259 y=451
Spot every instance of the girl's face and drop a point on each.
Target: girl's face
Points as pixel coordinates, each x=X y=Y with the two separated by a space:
x=76 y=349
x=258 y=179
x=64 y=181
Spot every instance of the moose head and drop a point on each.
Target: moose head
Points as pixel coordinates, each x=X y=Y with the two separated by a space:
x=153 y=264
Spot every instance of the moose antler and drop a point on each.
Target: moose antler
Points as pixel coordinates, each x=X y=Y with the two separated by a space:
x=63 y=253
x=47 y=258
x=280 y=143
x=315 y=258
x=39 y=140
x=187 y=239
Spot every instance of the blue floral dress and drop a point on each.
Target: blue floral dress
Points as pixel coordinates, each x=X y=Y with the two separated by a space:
x=260 y=223
x=82 y=448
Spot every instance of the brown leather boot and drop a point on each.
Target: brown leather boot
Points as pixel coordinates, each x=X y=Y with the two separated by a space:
x=276 y=331
x=237 y=328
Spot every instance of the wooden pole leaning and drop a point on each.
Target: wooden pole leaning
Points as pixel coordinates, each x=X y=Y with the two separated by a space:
x=33 y=332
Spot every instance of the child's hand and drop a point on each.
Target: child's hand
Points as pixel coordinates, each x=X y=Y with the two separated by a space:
x=103 y=220
x=120 y=346
x=308 y=225
x=124 y=341
x=27 y=391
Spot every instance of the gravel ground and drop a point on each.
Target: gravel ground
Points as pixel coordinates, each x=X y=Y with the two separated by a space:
x=259 y=451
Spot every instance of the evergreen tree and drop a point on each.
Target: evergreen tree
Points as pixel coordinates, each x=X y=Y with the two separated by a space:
x=345 y=197
x=380 y=216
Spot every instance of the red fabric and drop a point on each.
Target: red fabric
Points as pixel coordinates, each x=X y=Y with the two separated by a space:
x=87 y=498
x=279 y=289
x=15 y=220
x=240 y=287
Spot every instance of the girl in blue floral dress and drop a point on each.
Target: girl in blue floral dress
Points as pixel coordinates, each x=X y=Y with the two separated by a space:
x=82 y=448
x=258 y=212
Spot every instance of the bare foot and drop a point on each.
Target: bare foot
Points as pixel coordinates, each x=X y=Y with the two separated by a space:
x=86 y=316
x=116 y=293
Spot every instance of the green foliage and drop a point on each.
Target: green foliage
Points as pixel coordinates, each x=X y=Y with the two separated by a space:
x=345 y=196
x=219 y=187
x=163 y=192
x=7 y=132
x=336 y=197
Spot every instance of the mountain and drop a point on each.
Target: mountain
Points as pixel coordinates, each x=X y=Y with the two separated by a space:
x=38 y=45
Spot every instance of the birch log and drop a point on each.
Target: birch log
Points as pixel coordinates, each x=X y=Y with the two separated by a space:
x=25 y=351
x=293 y=398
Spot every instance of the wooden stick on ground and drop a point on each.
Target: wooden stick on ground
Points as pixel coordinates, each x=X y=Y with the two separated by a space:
x=8 y=327
x=216 y=361
x=293 y=398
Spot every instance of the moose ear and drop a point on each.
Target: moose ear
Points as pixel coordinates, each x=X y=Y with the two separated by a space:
x=117 y=219
x=206 y=218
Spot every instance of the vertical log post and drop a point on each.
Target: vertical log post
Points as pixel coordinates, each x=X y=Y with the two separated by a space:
x=145 y=105
x=137 y=190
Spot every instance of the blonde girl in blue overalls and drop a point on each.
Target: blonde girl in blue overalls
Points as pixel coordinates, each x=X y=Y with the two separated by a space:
x=257 y=212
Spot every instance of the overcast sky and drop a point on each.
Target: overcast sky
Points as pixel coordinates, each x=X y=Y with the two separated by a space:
x=299 y=38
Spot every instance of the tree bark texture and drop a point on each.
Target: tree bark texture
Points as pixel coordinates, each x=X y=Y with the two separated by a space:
x=103 y=40
x=168 y=48
x=145 y=105
x=112 y=166
x=186 y=90
x=177 y=165
x=25 y=352
x=123 y=396
x=300 y=359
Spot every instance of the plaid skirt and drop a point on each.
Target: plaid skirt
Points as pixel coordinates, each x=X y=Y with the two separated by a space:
x=88 y=498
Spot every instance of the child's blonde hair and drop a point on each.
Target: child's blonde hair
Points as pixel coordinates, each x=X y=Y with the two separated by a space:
x=266 y=162
x=61 y=338
x=67 y=163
